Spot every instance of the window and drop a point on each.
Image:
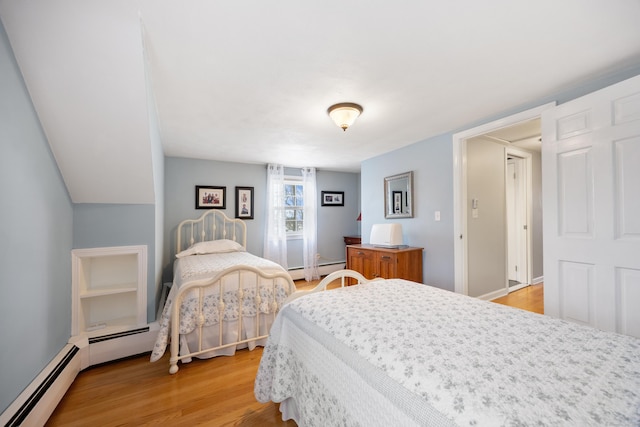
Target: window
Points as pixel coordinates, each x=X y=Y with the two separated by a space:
x=294 y=207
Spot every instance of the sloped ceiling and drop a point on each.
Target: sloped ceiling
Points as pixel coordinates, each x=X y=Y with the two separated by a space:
x=250 y=81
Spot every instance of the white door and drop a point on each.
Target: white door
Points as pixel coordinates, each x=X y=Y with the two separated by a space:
x=591 y=209
x=512 y=227
x=517 y=222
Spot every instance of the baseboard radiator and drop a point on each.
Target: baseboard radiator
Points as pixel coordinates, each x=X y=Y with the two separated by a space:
x=324 y=269
x=36 y=403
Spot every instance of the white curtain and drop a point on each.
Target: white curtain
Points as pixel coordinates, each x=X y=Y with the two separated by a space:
x=310 y=233
x=275 y=236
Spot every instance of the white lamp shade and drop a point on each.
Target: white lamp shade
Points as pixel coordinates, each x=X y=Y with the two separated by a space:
x=344 y=114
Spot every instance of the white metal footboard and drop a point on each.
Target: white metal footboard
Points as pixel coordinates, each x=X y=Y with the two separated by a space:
x=240 y=279
x=322 y=286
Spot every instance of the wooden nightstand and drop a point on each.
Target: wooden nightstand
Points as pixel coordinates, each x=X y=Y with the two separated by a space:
x=373 y=262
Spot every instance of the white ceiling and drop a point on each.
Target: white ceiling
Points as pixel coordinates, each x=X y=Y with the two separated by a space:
x=250 y=81
x=527 y=135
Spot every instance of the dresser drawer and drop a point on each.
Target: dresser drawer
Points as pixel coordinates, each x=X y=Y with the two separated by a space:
x=373 y=262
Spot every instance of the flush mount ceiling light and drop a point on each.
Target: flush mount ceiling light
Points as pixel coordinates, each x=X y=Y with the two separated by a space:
x=344 y=114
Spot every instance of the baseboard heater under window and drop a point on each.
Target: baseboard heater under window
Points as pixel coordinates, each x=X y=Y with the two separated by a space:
x=324 y=269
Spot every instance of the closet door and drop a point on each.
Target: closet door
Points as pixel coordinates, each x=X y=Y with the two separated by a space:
x=591 y=188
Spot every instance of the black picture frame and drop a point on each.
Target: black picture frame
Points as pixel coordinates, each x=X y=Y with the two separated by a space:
x=211 y=197
x=244 y=202
x=332 y=198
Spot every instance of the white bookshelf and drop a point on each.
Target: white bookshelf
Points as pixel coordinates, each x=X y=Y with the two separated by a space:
x=109 y=290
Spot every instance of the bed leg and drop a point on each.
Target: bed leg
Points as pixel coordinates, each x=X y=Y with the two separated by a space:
x=173 y=367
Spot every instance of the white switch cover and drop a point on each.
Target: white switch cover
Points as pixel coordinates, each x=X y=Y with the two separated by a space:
x=437 y=216
x=474 y=213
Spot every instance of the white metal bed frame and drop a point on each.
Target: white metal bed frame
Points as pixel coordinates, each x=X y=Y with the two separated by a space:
x=212 y=225
x=215 y=225
x=217 y=281
x=330 y=278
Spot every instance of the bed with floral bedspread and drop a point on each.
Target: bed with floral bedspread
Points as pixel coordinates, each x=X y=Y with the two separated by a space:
x=394 y=352
x=222 y=298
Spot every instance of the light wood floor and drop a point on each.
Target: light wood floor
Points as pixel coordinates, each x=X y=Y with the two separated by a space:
x=214 y=392
x=530 y=298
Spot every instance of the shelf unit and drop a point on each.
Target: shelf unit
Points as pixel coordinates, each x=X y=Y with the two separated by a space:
x=109 y=290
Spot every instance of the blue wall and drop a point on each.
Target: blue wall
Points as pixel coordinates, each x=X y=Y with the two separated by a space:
x=431 y=161
x=102 y=225
x=182 y=175
x=36 y=234
x=432 y=168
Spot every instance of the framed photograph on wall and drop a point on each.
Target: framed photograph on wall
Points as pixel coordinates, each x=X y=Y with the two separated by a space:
x=210 y=197
x=332 y=198
x=244 y=202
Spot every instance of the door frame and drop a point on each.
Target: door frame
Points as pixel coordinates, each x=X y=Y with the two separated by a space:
x=459 y=141
x=527 y=164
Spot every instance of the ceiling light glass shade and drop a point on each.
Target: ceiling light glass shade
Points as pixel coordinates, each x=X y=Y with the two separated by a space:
x=344 y=114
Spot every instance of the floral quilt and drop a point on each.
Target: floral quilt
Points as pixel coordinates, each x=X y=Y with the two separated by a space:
x=202 y=266
x=425 y=356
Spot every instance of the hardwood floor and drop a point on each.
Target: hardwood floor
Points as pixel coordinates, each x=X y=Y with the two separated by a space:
x=135 y=392
x=214 y=392
x=530 y=298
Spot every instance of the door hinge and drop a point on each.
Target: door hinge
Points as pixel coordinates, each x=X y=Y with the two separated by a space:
x=525 y=226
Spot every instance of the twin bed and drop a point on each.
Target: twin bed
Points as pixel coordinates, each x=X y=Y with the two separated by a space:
x=394 y=352
x=390 y=352
x=222 y=297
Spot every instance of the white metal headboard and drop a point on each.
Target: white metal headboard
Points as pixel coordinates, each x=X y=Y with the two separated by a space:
x=212 y=225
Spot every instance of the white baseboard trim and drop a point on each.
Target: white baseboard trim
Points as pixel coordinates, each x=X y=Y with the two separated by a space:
x=117 y=346
x=537 y=280
x=36 y=403
x=493 y=295
x=298 y=273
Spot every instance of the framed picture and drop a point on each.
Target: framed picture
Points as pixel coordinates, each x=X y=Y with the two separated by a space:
x=397 y=201
x=208 y=197
x=332 y=198
x=244 y=202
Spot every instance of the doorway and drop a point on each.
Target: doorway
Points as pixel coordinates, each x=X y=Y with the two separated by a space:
x=518 y=215
x=462 y=204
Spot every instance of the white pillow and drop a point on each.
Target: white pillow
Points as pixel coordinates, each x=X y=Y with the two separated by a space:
x=212 y=247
